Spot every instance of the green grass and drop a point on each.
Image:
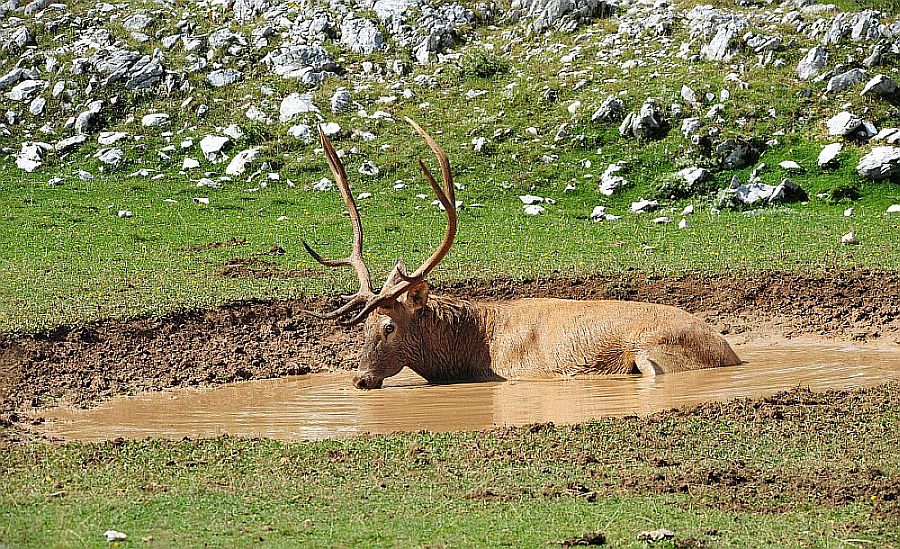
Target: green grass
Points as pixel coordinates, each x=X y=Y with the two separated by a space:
x=515 y=487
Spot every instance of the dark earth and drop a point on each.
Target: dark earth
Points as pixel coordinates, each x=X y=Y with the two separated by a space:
x=78 y=365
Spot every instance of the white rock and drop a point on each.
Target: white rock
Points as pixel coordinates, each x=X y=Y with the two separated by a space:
x=125 y=213
x=479 y=143
x=29 y=158
x=114 y=535
x=610 y=182
x=155 y=119
x=643 y=206
x=323 y=185
x=201 y=200
x=369 y=168
x=108 y=138
x=688 y=94
x=662 y=220
x=241 y=160
x=233 y=131
x=111 y=157
x=848 y=212
x=364 y=196
x=529 y=199
x=573 y=107
x=880 y=85
x=849 y=238
x=893 y=208
x=302 y=132
x=85 y=176
x=843 y=123
x=684 y=223
x=880 y=163
x=533 y=209
x=688 y=210
x=190 y=164
x=340 y=100
x=296 y=104
x=55 y=181
x=331 y=128
x=790 y=165
x=828 y=156
x=212 y=145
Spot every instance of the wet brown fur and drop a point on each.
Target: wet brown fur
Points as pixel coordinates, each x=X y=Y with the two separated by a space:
x=447 y=340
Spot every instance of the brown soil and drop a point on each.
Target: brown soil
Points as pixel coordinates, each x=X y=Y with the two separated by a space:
x=251 y=340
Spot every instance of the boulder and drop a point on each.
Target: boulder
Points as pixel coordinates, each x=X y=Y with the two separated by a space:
x=880 y=163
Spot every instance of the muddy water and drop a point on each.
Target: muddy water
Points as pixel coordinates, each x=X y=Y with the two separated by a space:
x=326 y=406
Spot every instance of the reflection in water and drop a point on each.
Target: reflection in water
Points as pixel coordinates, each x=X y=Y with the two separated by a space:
x=327 y=406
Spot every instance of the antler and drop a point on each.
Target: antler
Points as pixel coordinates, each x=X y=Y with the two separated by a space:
x=355 y=259
x=399 y=281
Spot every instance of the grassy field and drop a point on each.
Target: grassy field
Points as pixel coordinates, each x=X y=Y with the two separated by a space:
x=67 y=258
x=790 y=473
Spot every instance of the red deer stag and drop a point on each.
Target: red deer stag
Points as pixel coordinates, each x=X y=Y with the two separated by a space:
x=447 y=340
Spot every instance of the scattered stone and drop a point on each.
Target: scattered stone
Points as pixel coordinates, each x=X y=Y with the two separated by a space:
x=114 y=536
x=201 y=200
x=593 y=538
x=331 y=129
x=26 y=90
x=843 y=81
x=224 y=77
x=479 y=143
x=241 y=160
x=155 y=119
x=684 y=224
x=212 y=145
x=369 y=168
x=108 y=138
x=647 y=124
x=296 y=104
x=880 y=163
x=690 y=126
x=533 y=209
x=323 y=185
x=30 y=157
x=303 y=132
x=652 y=536
x=790 y=166
x=644 y=206
x=828 y=156
x=662 y=220
x=309 y=64
x=849 y=239
x=361 y=36
x=848 y=212
x=893 y=208
x=610 y=109
x=754 y=192
x=233 y=131
x=610 y=182
x=810 y=66
x=55 y=181
x=880 y=85
x=71 y=142
x=111 y=157
x=125 y=213
x=694 y=175
x=529 y=199
x=190 y=164
x=340 y=100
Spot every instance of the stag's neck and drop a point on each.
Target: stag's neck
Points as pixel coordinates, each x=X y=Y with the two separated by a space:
x=455 y=341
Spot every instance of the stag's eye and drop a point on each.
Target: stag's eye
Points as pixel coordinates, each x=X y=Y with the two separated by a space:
x=389 y=329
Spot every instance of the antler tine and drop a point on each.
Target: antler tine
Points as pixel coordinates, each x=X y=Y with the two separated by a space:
x=355 y=260
x=447 y=197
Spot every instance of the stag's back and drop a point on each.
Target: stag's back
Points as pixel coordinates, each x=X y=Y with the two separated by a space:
x=557 y=336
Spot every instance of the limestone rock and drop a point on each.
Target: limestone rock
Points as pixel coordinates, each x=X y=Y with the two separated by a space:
x=880 y=163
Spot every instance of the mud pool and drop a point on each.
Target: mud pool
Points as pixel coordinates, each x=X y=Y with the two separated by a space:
x=319 y=406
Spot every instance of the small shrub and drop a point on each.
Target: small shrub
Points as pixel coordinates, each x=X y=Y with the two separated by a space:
x=842 y=192
x=481 y=64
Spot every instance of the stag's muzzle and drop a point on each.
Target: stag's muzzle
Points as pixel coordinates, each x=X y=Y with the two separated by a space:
x=367 y=382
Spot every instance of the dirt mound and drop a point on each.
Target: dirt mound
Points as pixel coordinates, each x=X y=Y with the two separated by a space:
x=254 y=340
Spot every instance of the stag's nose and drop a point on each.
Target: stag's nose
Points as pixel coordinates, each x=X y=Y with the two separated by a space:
x=366 y=382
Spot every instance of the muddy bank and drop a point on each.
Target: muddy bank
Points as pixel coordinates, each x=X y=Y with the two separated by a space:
x=255 y=340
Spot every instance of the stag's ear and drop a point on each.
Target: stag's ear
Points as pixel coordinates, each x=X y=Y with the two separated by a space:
x=417 y=296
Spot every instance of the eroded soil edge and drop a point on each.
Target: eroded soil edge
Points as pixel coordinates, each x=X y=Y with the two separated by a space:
x=252 y=340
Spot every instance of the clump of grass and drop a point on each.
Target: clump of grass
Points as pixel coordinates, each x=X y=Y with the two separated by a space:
x=481 y=64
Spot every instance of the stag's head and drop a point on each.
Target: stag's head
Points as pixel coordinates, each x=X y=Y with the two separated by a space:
x=390 y=341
